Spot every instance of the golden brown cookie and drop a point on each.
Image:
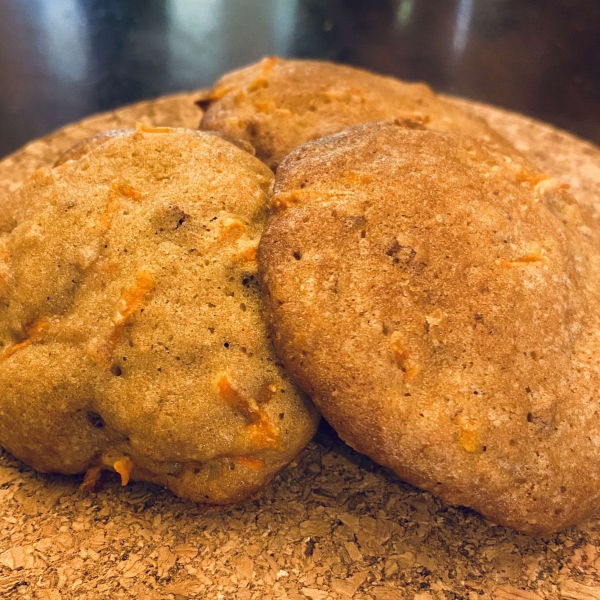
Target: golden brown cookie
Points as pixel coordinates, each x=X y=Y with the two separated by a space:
x=129 y=326
x=439 y=300
x=278 y=104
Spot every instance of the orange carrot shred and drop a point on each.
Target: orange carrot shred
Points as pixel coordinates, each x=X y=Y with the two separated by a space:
x=249 y=461
x=530 y=178
x=249 y=255
x=123 y=467
x=134 y=296
x=91 y=479
x=127 y=190
x=131 y=300
x=263 y=79
x=149 y=129
x=531 y=257
x=118 y=189
x=262 y=432
x=283 y=200
x=232 y=230
x=34 y=332
x=402 y=357
x=14 y=349
x=219 y=93
x=226 y=389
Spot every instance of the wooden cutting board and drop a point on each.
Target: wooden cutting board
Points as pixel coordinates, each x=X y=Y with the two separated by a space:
x=332 y=525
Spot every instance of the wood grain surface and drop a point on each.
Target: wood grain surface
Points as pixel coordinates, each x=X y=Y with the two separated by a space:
x=333 y=525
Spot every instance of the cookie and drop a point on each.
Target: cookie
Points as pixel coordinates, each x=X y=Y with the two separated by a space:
x=88 y=144
x=276 y=105
x=130 y=333
x=438 y=299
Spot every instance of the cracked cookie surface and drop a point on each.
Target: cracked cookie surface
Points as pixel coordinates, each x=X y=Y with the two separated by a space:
x=129 y=320
x=438 y=297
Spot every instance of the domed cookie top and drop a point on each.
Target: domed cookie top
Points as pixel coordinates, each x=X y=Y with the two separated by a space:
x=438 y=298
x=131 y=338
x=86 y=145
x=277 y=105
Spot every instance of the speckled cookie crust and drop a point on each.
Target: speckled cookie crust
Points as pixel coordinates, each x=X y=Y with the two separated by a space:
x=438 y=298
x=129 y=327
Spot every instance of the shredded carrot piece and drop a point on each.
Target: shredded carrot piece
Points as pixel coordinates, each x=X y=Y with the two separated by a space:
x=268 y=63
x=549 y=186
x=400 y=354
x=230 y=393
x=232 y=230
x=414 y=121
x=218 y=94
x=118 y=189
x=33 y=331
x=469 y=439
x=111 y=209
x=36 y=328
x=259 y=82
x=284 y=200
x=262 y=432
x=249 y=461
x=13 y=349
x=149 y=129
x=123 y=467
x=226 y=389
x=532 y=257
x=249 y=255
x=345 y=93
x=263 y=79
x=402 y=357
x=91 y=479
x=127 y=190
x=132 y=299
x=134 y=296
x=531 y=178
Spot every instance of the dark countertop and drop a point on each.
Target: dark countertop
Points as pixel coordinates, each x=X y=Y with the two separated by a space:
x=63 y=59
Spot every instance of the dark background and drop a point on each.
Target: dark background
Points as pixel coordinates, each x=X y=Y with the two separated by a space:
x=63 y=59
